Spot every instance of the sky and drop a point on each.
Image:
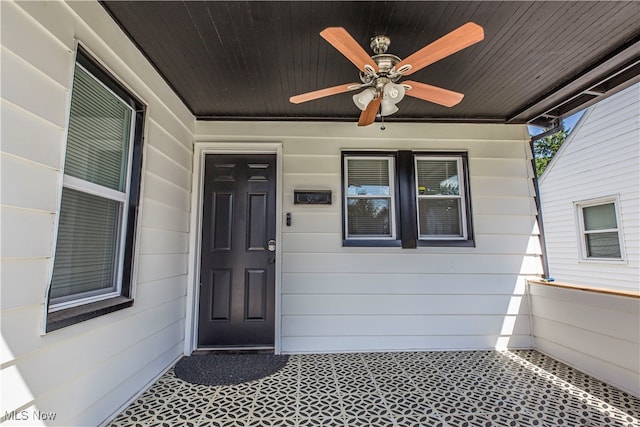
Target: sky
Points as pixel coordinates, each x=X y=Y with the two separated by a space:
x=569 y=123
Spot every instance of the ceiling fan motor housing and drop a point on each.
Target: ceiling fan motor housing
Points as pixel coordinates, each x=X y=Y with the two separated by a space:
x=385 y=62
x=380 y=44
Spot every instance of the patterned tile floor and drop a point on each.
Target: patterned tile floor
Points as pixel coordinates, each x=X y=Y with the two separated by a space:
x=465 y=388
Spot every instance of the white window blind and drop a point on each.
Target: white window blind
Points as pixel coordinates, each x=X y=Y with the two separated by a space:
x=369 y=197
x=89 y=247
x=99 y=134
x=440 y=198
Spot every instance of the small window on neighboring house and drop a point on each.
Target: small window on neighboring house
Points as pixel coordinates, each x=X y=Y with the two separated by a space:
x=369 y=190
x=406 y=199
x=94 y=248
x=599 y=232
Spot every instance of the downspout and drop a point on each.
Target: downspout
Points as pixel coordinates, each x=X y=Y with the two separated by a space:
x=557 y=126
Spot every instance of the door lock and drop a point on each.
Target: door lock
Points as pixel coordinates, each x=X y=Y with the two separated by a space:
x=272 y=245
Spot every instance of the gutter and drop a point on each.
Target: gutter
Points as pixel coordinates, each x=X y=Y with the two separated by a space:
x=557 y=126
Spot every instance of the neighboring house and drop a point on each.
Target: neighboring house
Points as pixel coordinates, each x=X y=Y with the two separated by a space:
x=590 y=195
x=366 y=272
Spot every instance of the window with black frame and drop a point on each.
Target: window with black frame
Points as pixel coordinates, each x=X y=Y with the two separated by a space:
x=440 y=196
x=369 y=197
x=406 y=199
x=96 y=226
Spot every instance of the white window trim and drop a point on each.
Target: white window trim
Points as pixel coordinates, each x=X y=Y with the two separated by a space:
x=461 y=196
x=582 y=245
x=392 y=196
x=94 y=189
x=107 y=193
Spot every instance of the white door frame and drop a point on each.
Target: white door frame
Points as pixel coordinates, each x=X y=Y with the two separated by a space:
x=201 y=149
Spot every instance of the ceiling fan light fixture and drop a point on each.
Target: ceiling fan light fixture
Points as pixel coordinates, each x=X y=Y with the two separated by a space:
x=363 y=98
x=387 y=107
x=393 y=92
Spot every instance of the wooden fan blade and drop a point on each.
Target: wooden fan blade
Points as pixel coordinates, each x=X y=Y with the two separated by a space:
x=368 y=116
x=434 y=94
x=310 y=96
x=346 y=45
x=464 y=36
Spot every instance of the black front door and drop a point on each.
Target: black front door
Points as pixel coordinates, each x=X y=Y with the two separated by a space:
x=237 y=271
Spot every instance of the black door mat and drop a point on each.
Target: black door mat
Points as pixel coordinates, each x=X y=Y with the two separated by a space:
x=216 y=368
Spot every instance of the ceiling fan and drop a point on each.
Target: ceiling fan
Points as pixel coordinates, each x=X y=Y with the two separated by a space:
x=381 y=72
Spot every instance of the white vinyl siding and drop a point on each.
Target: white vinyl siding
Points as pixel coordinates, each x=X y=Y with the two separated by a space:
x=599 y=161
x=599 y=164
x=337 y=298
x=87 y=371
x=596 y=333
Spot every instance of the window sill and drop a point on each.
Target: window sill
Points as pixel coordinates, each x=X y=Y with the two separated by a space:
x=371 y=243
x=71 y=316
x=364 y=243
x=447 y=243
x=610 y=261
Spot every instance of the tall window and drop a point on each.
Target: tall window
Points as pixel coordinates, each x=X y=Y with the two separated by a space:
x=94 y=248
x=599 y=234
x=406 y=199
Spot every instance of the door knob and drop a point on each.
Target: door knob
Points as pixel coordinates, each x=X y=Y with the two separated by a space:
x=272 y=245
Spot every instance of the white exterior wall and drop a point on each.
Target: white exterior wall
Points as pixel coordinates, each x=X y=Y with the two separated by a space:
x=596 y=333
x=600 y=158
x=338 y=298
x=84 y=372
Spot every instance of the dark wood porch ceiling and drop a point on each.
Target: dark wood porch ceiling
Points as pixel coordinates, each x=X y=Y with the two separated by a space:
x=243 y=60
